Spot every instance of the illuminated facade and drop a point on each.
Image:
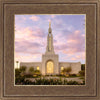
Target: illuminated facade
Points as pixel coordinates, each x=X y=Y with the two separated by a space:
x=50 y=61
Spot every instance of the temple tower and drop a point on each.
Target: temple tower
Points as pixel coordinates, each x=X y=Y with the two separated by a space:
x=50 y=48
x=50 y=59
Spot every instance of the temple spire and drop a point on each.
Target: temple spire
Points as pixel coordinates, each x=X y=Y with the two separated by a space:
x=50 y=24
x=50 y=48
x=50 y=30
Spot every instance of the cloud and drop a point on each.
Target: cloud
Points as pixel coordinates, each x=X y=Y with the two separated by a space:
x=79 y=56
x=71 y=43
x=31 y=38
x=38 y=32
x=75 y=57
x=29 y=34
x=71 y=47
x=49 y=20
x=28 y=47
x=20 y=19
x=17 y=57
x=22 y=57
x=30 y=41
x=34 y=18
x=53 y=16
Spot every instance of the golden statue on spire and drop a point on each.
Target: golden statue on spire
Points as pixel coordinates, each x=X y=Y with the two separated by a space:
x=50 y=30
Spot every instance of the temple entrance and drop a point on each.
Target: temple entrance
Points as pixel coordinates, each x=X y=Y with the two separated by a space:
x=50 y=67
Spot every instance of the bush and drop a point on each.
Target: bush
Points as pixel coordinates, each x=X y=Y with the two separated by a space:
x=19 y=80
x=31 y=70
x=83 y=67
x=73 y=83
x=28 y=76
x=17 y=72
x=82 y=73
x=23 y=68
x=83 y=83
x=66 y=71
x=43 y=81
x=37 y=72
x=72 y=75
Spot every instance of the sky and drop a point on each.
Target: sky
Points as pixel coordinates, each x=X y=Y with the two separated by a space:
x=68 y=36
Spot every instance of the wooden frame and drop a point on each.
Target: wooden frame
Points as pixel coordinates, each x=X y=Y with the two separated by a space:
x=91 y=91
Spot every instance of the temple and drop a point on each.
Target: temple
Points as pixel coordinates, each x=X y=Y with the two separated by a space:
x=50 y=64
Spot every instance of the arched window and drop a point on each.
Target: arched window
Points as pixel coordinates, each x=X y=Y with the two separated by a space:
x=50 y=67
x=62 y=68
x=37 y=67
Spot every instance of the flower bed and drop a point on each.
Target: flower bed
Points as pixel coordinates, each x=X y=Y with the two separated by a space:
x=43 y=81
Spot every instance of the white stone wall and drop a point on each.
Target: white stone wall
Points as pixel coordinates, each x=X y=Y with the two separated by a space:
x=52 y=57
x=31 y=64
x=76 y=67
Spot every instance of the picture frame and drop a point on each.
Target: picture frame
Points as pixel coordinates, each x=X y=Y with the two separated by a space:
x=91 y=91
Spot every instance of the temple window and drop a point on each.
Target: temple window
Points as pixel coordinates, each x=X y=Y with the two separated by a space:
x=37 y=67
x=62 y=68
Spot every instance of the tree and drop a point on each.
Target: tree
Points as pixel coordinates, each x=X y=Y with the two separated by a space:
x=66 y=70
x=31 y=70
x=23 y=69
x=17 y=72
x=82 y=73
x=37 y=72
x=82 y=66
x=63 y=71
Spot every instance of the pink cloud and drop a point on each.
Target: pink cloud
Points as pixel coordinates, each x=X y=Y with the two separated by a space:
x=17 y=57
x=75 y=56
x=49 y=20
x=29 y=41
x=71 y=43
x=34 y=18
x=20 y=19
x=53 y=16
x=23 y=57
x=79 y=56
x=29 y=34
x=32 y=40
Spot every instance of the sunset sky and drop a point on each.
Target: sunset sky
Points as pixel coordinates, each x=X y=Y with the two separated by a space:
x=68 y=36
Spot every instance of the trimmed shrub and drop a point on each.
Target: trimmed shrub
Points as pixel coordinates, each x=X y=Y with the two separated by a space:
x=28 y=76
x=82 y=73
x=72 y=75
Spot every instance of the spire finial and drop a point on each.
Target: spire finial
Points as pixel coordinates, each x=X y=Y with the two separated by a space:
x=50 y=30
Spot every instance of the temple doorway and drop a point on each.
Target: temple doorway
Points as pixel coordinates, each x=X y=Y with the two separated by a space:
x=50 y=67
